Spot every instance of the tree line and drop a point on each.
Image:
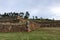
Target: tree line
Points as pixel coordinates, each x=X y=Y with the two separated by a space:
x=21 y=14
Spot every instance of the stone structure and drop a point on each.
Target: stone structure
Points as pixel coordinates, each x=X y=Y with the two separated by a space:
x=16 y=24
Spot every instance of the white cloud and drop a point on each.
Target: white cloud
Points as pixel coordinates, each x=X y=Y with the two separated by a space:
x=56 y=11
x=34 y=11
x=40 y=8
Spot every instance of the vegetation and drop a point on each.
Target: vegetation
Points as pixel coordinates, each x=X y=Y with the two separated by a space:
x=21 y=14
x=27 y=15
x=40 y=34
x=36 y=17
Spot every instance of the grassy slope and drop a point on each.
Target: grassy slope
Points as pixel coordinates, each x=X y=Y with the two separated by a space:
x=41 y=34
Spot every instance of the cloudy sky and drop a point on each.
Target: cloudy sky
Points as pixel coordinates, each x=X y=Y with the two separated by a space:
x=40 y=8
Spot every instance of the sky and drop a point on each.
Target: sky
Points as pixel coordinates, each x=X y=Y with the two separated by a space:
x=41 y=8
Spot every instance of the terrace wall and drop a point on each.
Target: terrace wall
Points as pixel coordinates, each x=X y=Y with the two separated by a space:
x=16 y=25
x=50 y=24
x=11 y=28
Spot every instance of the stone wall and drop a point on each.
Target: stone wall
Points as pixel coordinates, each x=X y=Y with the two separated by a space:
x=12 y=28
x=34 y=25
x=16 y=25
x=50 y=24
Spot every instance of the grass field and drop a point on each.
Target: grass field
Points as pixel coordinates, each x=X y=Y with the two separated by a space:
x=40 y=34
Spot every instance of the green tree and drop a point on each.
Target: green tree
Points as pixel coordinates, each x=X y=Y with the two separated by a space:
x=27 y=15
x=15 y=14
x=36 y=17
x=4 y=14
x=10 y=14
x=21 y=14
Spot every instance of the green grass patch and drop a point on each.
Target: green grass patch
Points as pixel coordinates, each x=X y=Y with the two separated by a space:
x=40 y=34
